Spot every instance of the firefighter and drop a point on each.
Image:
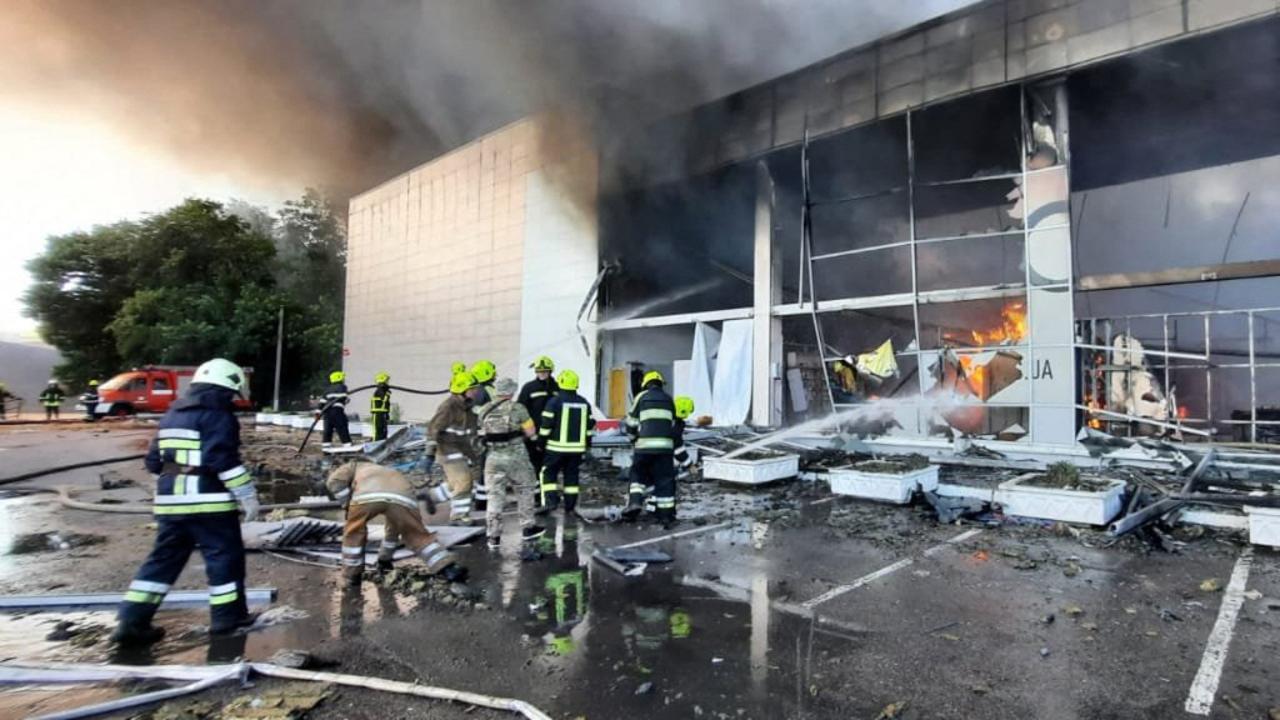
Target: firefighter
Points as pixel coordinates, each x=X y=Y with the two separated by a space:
x=201 y=480
x=534 y=396
x=4 y=398
x=566 y=429
x=380 y=405
x=335 y=409
x=453 y=428
x=684 y=410
x=504 y=425
x=370 y=490
x=90 y=401
x=484 y=372
x=52 y=398
x=651 y=425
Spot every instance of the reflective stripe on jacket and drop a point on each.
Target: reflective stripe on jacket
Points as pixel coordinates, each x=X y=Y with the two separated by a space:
x=196 y=454
x=381 y=400
x=566 y=423
x=535 y=395
x=453 y=427
x=368 y=483
x=651 y=421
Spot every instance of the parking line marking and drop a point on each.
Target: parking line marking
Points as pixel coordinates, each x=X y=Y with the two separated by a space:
x=1205 y=686
x=887 y=570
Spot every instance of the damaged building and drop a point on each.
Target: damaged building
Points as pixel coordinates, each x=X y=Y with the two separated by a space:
x=1059 y=216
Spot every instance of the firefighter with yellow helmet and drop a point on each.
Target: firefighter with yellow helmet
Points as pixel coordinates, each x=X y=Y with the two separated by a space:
x=534 y=395
x=651 y=424
x=380 y=405
x=334 y=411
x=454 y=430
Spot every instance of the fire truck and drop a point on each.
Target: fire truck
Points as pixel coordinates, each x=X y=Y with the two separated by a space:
x=150 y=389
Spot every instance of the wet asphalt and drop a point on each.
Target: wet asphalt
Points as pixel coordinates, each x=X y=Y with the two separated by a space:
x=832 y=609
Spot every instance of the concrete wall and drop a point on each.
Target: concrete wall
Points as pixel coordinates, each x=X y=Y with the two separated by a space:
x=436 y=267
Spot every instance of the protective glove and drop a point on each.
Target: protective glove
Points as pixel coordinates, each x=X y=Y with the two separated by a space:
x=247 y=498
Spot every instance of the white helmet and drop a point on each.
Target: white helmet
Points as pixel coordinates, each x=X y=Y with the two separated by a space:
x=222 y=373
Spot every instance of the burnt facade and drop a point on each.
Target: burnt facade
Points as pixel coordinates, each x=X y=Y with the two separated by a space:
x=1060 y=215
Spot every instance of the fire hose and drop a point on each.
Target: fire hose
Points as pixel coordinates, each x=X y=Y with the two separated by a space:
x=362 y=388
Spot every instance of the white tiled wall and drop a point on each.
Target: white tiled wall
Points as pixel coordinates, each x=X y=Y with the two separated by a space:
x=435 y=267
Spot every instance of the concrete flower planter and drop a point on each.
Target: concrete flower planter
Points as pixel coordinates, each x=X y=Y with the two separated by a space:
x=1088 y=507
x=751 y=472
x=1264 y=525
x=885 y=486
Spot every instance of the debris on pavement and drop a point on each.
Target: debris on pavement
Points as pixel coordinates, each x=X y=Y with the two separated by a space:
x=892 y=710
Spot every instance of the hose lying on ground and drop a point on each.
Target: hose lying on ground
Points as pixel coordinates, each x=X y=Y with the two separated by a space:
x=353 y=391
x=31 y=673
x=66 y=496
x=66 y=468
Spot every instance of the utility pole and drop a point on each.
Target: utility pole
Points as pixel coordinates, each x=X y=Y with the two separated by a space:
x=275 y=403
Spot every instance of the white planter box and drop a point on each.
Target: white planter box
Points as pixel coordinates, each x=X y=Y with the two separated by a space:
x=282 y=420
x=890 y=487
x=1074 y=506
x=261 y=419
x=750 y=472
x=300 y=422
x=1264 y=525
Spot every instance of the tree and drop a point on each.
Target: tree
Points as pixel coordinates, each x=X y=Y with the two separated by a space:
x=195 y=282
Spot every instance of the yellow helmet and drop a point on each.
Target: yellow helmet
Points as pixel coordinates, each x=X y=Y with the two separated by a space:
x=543 y=363
x=484 y=371
x=568 y=380
x=461 y=383
x=458 y=367
x=337 y=376
x=382 y=378
x=651 y=376
x=684 y=406
x=92 y=383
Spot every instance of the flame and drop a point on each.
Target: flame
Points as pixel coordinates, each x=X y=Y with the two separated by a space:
x=1183 y=413
x=1013 y=327
x=975 y=375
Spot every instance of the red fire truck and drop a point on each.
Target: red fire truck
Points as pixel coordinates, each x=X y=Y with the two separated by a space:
x=150 y=389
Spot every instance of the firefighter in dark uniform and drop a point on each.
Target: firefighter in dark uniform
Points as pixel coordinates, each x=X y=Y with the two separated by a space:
x=484 y=372
x=335 y=409
x=566 y=426
x=201 y=481
x=651 y=424
x=52 y=398
x=380 y=405
x=534 y=397
x=90 y=400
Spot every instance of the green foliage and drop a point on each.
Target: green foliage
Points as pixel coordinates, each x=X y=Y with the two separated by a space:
x=196 y=282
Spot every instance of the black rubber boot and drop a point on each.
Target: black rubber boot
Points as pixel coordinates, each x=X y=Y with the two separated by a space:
x=234 y=627
x=137 y=635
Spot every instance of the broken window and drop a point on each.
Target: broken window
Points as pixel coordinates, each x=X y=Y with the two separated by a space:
x=862 y=223
x=990 y=322
x=989 y=206
x=876 y=272
x=858 y=162
x=971 y=137
x=971 y=262
x=850 y=332
x=804 y=380
x=1043 y=139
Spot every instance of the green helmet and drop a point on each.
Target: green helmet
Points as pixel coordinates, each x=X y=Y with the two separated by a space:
x=543 y=363
x=568 y=380
x=484 y=371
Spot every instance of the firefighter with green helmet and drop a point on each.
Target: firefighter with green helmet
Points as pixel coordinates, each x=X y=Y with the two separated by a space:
x=334 y=411
x=380 y=405
x=651 y=424
x=484 y=372
x=565 y=433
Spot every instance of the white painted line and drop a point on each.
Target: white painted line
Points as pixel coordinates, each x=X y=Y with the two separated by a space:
x=882 y=572
x=1205 y=686
x=682 y=533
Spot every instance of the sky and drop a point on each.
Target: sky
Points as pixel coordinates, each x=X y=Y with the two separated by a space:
x=60 y=175
x=107 y=116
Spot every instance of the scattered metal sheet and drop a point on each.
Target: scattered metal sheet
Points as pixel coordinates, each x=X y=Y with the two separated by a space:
x=637 y=555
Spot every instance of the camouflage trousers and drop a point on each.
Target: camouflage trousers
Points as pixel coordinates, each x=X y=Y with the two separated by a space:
x=508 y=471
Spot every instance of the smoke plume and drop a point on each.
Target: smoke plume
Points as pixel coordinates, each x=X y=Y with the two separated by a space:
x=344 y=95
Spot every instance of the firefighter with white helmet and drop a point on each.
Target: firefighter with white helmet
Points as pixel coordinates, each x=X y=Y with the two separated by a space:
x=200 y=482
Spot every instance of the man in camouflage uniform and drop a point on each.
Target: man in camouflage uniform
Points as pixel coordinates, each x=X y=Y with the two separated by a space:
x=504 y=426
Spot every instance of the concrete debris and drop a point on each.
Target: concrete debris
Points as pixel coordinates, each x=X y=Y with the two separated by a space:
x=112 y=480
x=292 y=701
x=1210 y=585
x=51 y=542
